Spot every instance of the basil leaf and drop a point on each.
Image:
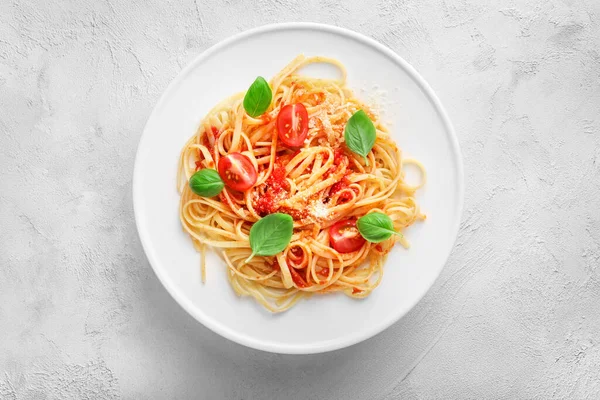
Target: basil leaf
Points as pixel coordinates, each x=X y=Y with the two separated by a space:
x=258 y=98
x=271 y=235
x=206 y=183
x=376 y=227
x=360 y=134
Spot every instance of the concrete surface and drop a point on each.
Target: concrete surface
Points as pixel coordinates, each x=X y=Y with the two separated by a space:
x=515 y=313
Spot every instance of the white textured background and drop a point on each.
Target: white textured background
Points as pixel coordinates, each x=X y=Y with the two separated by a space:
x=515 y=313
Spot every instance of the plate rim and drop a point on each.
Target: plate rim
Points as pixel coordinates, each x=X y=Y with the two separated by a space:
x=215 y=325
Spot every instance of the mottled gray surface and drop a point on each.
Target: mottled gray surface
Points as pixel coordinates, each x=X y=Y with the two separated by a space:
x=515 y=313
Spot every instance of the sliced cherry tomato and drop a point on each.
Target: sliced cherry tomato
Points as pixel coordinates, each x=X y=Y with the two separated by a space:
x=345 y=237
x=237 y=171
x=292 y=124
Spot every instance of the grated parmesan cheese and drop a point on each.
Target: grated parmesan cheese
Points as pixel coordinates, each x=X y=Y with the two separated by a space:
x=319 y=210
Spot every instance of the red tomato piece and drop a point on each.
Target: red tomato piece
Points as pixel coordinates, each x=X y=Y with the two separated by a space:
x=292 y=124
x=298 y=280
x=345 y=237
x=237 y=171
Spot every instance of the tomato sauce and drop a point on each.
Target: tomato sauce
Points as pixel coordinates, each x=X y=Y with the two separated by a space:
x=339 y=186
x=338 y=156
x=266 y=118
x=286 y=157
x=295 y=256
x=206 y=142
x=356 y=290
x=297 y=251
x=276 y=189
x=298 y=280
x=344 y=197
x=319 y=97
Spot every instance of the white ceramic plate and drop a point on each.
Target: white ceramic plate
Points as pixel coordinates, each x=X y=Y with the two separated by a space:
x=420 y=126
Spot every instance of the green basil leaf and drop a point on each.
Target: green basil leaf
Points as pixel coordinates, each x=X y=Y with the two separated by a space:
x=258 y=97
x=206 y=183
x=271 y=235
x=376 y=227
x=360 y=134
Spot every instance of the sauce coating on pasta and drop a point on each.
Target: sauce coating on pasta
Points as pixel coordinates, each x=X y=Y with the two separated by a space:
x=299 y=164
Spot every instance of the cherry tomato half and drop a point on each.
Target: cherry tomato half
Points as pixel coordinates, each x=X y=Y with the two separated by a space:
x=237 y=171
x=292 y=124
x=345 y=237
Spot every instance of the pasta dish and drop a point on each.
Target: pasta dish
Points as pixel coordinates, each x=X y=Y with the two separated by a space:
x=298 y=186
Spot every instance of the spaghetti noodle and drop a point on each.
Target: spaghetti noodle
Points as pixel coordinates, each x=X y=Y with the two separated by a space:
x=319 y=184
